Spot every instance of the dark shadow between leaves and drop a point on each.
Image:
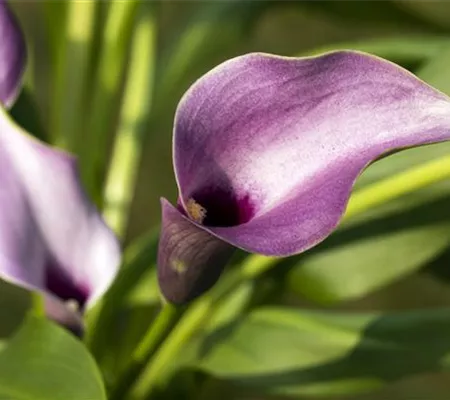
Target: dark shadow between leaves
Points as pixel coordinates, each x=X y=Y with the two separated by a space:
x=438 y=267
x=15 y=303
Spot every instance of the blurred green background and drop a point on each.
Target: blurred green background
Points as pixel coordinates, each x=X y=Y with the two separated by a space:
x=404 y=263
x=291 y=28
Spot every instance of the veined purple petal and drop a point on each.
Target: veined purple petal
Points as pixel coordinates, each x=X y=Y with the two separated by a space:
x=12 y=56
x=190 y=260
x=269 y=147
x=52 y=239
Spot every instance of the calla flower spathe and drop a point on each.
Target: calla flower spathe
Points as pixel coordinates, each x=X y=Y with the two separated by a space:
x=12 y=56
x=52 y=239
x=267 y=149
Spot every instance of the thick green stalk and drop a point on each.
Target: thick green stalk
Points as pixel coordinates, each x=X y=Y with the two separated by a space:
x=138 y=257
x=133 y=123
x=157 y=371
x=55 y=15
x=70 y=77
x=158 y=331
x=37 y=305
x=125 y=160
x=193 y=318
x=105 y=94
x=398 y=185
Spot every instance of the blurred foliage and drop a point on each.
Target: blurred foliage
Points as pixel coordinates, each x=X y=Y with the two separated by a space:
x=387 y=12
x=394 y=257
x=43 y=361
x=337 y=353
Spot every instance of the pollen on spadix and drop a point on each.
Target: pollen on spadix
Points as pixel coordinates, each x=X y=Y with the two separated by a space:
x=195 y=211
x=73 y=305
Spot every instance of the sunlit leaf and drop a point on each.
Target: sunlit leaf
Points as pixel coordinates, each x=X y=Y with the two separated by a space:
x=43 y=361
x=126 y=330
x=402 y=245
x=292 y=352
x=230 y=309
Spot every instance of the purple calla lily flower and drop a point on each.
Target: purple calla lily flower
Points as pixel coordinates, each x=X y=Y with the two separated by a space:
x=52 y=239
x=12 y=56
x=267 y=149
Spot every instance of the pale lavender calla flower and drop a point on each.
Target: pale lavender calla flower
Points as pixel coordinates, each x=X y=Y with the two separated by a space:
x=52 y=239
x=267 y=149
x=12 y=56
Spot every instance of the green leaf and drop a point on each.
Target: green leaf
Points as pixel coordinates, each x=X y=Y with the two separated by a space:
x=233 y=306
x=125 y=331
x=146 y=290
x=363 y=265
x=380 y=246
x=292 y=352
x=43 y=361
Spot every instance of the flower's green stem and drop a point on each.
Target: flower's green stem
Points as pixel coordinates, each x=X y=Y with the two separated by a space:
x=112 y=61
x=193 y=318
x=398 y=185
x=133 y=123
x=158 y=331
x=37 y=304
x=157 y=372
x=138 y=258
x=72 y=73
